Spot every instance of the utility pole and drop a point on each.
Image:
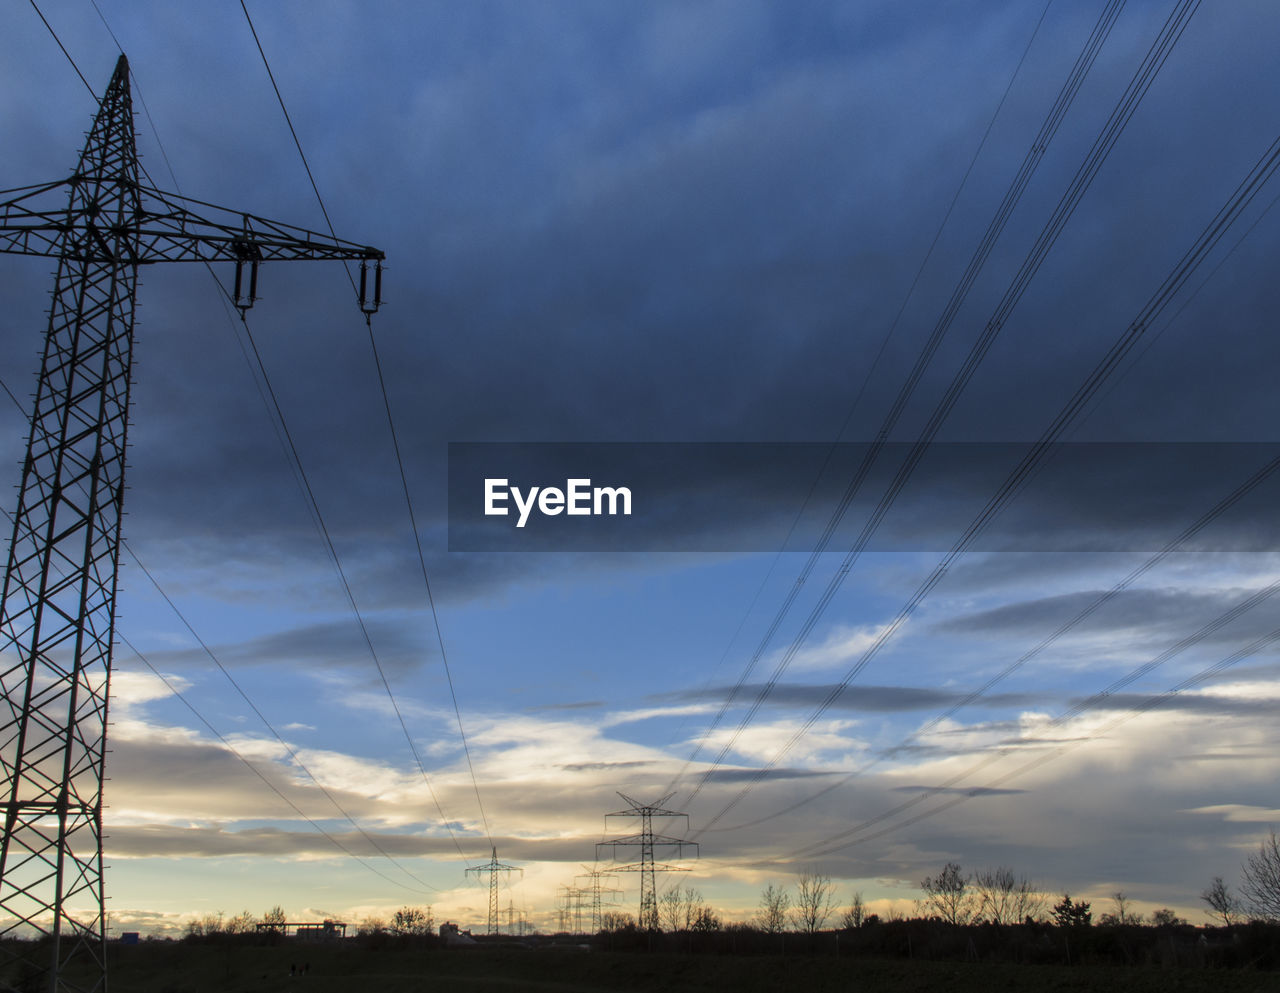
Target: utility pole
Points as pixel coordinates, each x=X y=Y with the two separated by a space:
x=493 y=867
x=647 y=842
x=57 y=612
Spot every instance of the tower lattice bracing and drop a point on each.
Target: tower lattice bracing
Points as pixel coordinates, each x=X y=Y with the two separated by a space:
x=57 y=614
x=648 y=843
x=58 y=611
x=493 y=868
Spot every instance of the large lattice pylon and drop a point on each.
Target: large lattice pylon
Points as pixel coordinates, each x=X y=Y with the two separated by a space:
x=57 y=614
x=648 y=843
x=493 y=868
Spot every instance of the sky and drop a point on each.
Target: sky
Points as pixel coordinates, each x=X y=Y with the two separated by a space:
x=615 y=231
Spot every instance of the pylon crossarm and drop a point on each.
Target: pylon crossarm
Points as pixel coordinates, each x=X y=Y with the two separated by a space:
x=176 y=232
x=646 y=838
x=24 y=231
x=171 y=233
x=647 y=866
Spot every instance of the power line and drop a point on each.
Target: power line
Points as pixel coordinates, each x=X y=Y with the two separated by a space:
x=426 y=580
x=1084 y=62
x=1255 y=480
x=302 y=476
x=272 y=786
x=1186 y=266
x=54 y=33
x=289 y=120
x=395 y=442
x=285 y=435
x=290 y=751
x=851 y=492
x=845 y=839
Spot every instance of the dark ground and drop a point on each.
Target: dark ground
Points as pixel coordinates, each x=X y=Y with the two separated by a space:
x=185 y=968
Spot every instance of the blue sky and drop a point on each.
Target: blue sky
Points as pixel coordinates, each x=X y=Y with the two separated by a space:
x=672 y=223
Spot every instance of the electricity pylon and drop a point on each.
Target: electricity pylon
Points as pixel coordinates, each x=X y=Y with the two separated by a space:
x=647 y=842
x=596 y=891
x=493 y=867
x=57 y=615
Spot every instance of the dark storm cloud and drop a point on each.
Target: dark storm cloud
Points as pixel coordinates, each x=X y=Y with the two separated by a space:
x=774 y=774
x=1132 y=612
x=975 y=791
x=1187 y=703
x=650 y=243
x=599 y=766
x=330 y=645
x=856 y=698
x=165 y=841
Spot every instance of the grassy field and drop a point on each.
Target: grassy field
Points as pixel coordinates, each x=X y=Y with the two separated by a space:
x=182 y=968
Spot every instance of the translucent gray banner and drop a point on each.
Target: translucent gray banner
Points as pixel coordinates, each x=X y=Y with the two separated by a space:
x=730 y=497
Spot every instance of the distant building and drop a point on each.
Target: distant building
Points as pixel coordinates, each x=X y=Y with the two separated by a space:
x=453 y=936
x=308 y=931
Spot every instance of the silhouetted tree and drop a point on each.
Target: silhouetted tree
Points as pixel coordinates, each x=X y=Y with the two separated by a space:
x=242 y=923
x=207 y=926
x=275 y=917
x=678 y=908
x=412 y=920
x=1068 y=914
x=856 y=914
x=1261 y=883
x=1222 y=901
x=1123 y=915
x=948 y=895
x=706 y=920
x=815 y=897
x=1004 y=898
x=612 y=920
x=1164 y=917
x=773 y=909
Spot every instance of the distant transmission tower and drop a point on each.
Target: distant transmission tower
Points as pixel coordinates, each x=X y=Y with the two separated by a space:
x=493 y=867
x=57 y=615
x=647 y=842
x=573 y=897
x=596 y=890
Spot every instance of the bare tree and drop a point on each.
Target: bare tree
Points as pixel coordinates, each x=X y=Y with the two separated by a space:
x=1004 y=898
x=275 y=917
x=1261 y=884
x=412 y=920
x=241 y=923
x=613 y=920
x=706 y=920
x=691 y=907
x=206 y=926
x=774 y=903
x=1222 y=901
x=815 y=898
x=948 y=895
x=669 y=910
x=1123 y=915
x=856 y=914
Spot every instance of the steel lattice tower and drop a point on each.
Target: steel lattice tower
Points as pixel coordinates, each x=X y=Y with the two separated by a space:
x=493 y=867
x=647 y=842
x=57 y=614
x=596 y=891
